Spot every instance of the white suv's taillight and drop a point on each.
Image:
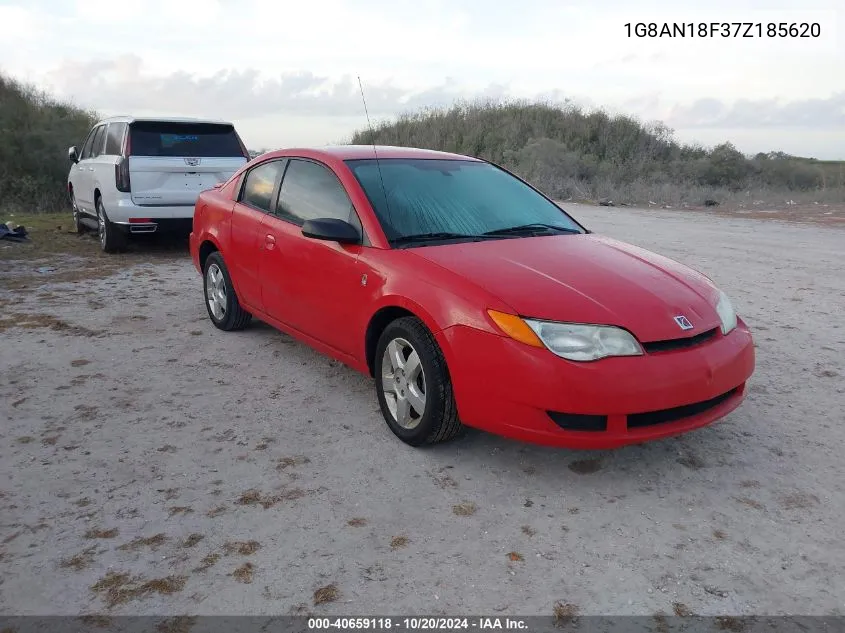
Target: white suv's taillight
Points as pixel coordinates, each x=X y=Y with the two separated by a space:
x=121 y=175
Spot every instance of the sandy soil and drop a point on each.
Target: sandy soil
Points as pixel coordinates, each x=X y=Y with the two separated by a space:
x=152 y=464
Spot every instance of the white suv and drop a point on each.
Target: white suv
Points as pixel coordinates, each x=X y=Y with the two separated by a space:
x=141 y=175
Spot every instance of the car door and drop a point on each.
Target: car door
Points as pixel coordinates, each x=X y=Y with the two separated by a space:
x=83 y=188
x=106 y=158
x=312 y=285
x=102 y=178
x=259 y=186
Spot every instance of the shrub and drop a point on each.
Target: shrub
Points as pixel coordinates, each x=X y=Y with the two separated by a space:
x=35 y=133
x=570 y=153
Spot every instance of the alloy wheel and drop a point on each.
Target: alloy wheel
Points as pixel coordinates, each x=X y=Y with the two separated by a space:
x=403 y=383
x=215 y=290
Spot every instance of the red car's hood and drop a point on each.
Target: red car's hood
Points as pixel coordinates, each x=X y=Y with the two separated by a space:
x=586 y=279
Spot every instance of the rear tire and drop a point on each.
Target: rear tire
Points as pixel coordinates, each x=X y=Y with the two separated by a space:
x=413 y=385
x=111 y=239
x=221 y=301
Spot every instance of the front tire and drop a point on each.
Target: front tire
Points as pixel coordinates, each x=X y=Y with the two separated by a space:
x=413 y=385
x=111 y=239
x=77 y=218
x=222 y=303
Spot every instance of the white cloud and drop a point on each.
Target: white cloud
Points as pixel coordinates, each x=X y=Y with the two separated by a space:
x=269 y=61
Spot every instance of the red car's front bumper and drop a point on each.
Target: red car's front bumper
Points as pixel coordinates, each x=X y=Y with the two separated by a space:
x=529 y=394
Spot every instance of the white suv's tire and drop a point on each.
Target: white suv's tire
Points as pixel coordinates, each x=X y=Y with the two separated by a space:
x=111 y=239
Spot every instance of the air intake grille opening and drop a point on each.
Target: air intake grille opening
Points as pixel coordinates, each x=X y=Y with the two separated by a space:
x=578 y=422
x=664 y=416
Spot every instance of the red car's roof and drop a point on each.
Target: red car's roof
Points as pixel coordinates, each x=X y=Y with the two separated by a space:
x=352 y=152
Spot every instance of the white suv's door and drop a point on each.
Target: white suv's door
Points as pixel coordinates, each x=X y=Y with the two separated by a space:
x=80 y=175
x=93 y=148
x=101 y=167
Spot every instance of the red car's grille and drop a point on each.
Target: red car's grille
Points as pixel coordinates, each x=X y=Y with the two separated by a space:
x=679 y=343
x=638 y=420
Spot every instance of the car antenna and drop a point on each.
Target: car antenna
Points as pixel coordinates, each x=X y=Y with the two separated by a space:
x=375 y=153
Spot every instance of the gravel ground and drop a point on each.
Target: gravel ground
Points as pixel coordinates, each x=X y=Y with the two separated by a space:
x=150 y=464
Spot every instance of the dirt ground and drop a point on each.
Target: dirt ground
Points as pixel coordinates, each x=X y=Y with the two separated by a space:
x=151 y=464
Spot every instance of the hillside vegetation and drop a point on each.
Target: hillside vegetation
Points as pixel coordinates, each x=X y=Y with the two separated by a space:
x=566 y=151
x=35 y=133
x=570 y=153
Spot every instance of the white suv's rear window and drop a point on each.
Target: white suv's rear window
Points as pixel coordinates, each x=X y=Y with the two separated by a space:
x=149 y=138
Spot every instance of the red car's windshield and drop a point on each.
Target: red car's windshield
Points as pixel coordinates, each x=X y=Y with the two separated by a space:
x=453 y=199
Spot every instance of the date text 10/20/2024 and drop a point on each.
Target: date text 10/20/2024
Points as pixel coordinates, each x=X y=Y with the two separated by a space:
x=724 y=29
x=418 y=624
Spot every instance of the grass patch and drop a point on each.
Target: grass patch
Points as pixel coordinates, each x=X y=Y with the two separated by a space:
x=329 y=593
x=153 y=542
x=95 y=533
x=79 y=561
x=216 y=512
x=398 y=542
x=208 y=562
x=564 y=612
x=116 y=588
x=192 y=540
x=289 y=462
x=464 y=509
x=244 y=548
x=56 y=253
x=244 y=573
x=254 y=497
x=42 y=321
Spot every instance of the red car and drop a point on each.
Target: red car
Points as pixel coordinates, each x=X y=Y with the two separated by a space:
x=470 y=297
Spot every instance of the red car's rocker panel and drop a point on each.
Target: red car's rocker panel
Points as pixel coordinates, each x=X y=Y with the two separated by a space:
x=511 y=389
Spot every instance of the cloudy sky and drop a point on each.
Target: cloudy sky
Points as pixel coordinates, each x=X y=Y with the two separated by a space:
x=285 y=70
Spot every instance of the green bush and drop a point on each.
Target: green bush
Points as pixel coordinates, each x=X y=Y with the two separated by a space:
x=570 y=153
x=35 y=133
x=567 y=152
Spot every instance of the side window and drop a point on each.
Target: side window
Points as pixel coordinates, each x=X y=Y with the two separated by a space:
x=99 y=138
x=310 y=190
x=114 y=139
x=260 y=183
x=89 y=142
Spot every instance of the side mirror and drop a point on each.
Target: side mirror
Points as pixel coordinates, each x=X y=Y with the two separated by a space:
x=331 y=230
x=72 y=155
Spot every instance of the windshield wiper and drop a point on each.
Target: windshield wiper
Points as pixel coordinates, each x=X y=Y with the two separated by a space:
x=535 y=227
x=433 y=237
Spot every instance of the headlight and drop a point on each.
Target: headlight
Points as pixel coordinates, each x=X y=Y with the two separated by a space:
x=726 y=313
x=585 y=342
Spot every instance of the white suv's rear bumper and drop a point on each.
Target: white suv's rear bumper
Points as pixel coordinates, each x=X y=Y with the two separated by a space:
x=124 y=210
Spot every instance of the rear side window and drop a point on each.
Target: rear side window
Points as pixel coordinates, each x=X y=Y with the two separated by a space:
x=114 y=138
x=99 y=140
x=260 y=183
x=311 y=191
x=160 y=138
x=89 y=142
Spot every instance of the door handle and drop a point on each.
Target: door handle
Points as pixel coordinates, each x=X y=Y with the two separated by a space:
x=269 y=242
x=90 y=169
